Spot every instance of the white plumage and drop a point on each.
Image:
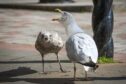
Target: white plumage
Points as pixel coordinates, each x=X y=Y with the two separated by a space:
x=80 y=47
x=49 y=43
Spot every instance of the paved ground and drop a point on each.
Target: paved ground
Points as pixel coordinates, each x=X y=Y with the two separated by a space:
x=20 y=62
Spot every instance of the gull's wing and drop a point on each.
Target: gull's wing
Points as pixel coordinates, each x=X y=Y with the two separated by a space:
x=80 y=47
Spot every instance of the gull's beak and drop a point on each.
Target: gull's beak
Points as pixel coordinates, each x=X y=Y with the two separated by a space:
x=57 y=19
x=58 y=10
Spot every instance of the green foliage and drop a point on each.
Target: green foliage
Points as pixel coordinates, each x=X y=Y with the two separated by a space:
x=104 y=59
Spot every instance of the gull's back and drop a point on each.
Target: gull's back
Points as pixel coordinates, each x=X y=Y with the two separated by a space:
x=80 y=46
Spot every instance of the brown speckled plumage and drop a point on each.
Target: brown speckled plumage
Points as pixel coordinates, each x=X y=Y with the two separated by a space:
x=49 y=43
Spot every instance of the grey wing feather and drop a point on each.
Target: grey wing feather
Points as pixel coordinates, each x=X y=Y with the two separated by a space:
x=80 y=47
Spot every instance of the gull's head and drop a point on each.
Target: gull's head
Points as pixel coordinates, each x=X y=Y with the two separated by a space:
x=65 y=19
x=45 y=36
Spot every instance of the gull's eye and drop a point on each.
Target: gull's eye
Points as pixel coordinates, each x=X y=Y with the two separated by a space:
x=42 y=36
x=64 y=16
x=50 y=35
x=65 y=13
x=63 y=19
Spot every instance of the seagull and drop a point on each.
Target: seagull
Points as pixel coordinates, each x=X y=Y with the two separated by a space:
x=80 y=47
x=49 y=43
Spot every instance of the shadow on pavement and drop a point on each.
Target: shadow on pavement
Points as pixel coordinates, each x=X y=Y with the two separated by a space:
x=41 y=80
x=46 y=61
x=56 y=80
x=8 y=76
x=109 y=78
x=16 y=72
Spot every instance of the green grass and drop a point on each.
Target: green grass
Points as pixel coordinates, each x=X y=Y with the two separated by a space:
x=104 y=59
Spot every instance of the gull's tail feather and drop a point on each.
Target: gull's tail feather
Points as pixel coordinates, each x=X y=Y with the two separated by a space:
x=90 y=66
x=91 y=69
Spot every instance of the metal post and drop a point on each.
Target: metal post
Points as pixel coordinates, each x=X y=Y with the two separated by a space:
x=102 y=23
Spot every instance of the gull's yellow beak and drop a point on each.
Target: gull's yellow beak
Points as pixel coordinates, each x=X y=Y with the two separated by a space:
x=57 y=19
x=59 y=10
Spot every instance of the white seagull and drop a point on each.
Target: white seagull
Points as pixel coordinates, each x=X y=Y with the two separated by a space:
x=49 y=43
x=80 y=47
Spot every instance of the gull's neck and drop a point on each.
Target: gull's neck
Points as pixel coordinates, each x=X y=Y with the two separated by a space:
x=73 y=28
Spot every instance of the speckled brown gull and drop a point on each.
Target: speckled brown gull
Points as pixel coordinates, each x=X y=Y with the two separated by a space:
x=49 y=43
